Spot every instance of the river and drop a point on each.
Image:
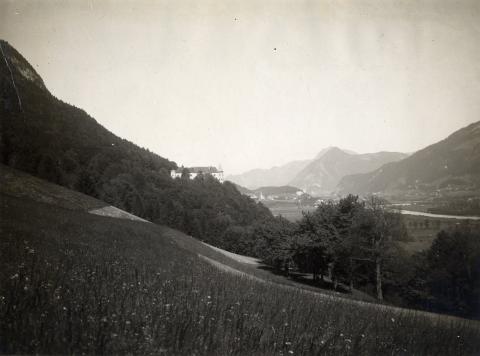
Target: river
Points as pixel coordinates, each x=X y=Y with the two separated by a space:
x=441 y=216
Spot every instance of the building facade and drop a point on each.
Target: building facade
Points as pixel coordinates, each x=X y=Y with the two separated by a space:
x=195 y=171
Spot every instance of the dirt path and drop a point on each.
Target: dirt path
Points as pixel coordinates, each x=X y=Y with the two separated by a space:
x=114 y=212
x=239 y=258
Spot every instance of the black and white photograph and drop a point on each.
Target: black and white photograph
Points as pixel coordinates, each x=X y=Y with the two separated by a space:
x=240 y=177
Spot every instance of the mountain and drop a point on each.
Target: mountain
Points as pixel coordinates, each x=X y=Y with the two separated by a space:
x=322 y=175
x=50 y=139
x=275 y=176
x=326 y=149
x=316 y=176
x=452 y=162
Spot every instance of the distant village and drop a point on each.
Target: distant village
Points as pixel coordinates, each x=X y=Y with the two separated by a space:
x=261 y=195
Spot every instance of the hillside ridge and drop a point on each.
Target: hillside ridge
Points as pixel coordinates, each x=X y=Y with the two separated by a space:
x=455 y=159
x=58 y=142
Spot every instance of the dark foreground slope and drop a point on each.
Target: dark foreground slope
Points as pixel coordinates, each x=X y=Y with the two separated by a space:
x=16 y=184
x=58 y=142
x=73 y=282
x=451 y=163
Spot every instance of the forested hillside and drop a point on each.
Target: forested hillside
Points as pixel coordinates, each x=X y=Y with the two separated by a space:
x=56 y=141
x=451 y=163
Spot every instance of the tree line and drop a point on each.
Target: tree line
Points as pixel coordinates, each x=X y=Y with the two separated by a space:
x=343 y=240
x=357 y=244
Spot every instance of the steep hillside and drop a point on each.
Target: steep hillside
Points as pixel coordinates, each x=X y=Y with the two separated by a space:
x=73 y=282
x=451 y=163
x=16 y=185
x=21 y=185
x=43 y=135
x=323 y=174
x=53 y=140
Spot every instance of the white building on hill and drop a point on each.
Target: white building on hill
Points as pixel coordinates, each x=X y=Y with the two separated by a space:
x=195 y=171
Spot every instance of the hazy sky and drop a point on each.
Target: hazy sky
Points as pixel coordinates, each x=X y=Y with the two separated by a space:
x=258 y=83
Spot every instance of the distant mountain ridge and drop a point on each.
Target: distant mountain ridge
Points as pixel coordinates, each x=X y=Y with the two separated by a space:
x=453 y=161
x=319 y=175
x=322 y=175
x=275 y=176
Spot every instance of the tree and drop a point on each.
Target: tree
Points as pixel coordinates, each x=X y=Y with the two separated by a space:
x=375 y=229
x=185 y=173
x=453 y=271
x=86 y=183
x=344 y=245
x=48 y=168
x=324 y=240
x=274 y=242
x=317 y=234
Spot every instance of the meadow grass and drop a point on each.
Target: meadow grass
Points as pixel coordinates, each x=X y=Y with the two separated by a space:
x=71 y=282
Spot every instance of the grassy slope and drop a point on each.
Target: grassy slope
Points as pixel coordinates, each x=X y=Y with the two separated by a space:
x=18 y=184
x=76 y=282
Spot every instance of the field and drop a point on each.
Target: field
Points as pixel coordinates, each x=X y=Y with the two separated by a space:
x=290 y=210
x=422 y=230
x=73 y=282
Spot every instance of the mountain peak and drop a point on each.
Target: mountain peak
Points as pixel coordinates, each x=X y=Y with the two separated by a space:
x=333 y=149
x=322 y=175
x=18 y=67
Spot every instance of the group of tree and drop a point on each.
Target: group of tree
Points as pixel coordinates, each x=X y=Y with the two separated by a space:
x=446 y=277
x=349 y=240
x=357 y=243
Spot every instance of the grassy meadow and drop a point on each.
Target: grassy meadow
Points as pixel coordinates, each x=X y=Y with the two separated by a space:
x=290 y=210
x=72 y=282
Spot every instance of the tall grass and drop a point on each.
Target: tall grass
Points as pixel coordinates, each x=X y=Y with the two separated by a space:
x=75 y=283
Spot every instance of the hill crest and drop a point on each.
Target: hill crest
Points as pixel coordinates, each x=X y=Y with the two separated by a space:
x=455 y=158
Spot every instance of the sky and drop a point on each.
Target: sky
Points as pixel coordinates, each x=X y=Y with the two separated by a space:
x=253 y=84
